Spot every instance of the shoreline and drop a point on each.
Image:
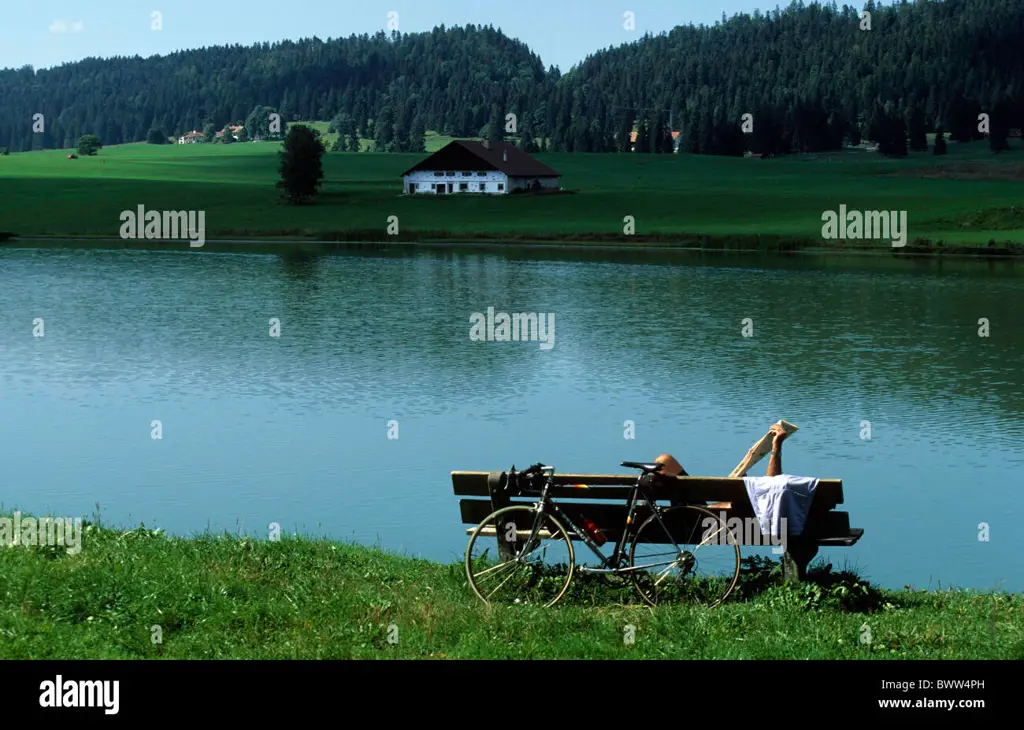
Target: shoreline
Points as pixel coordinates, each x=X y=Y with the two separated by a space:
x=709 y=244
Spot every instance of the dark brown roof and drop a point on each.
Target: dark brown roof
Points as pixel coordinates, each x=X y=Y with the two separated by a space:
x=502 y=156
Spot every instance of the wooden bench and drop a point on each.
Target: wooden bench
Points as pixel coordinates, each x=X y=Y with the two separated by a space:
x=603 y=500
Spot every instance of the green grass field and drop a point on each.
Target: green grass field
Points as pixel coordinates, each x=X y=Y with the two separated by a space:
x=235 y=597
x=432 y=141
x=966 y=198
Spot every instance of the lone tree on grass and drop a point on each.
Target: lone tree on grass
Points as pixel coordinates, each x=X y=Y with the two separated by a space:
x=302 y=170
x=156 y=136
x=89 y=144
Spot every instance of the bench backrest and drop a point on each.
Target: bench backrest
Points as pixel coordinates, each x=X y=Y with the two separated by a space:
x=603 y=498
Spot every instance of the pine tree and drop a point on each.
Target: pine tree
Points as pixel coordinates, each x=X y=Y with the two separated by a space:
x=918 y=134
x=624 y=130
x=495 y=125
x=657 y=138
x=643 y=138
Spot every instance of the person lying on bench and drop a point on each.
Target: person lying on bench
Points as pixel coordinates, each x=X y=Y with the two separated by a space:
x=672 y=468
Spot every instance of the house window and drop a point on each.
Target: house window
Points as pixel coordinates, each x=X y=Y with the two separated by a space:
x=463 y=187
x=481 y=174
x=501 y=187
x=438 y=174
x=482 y=186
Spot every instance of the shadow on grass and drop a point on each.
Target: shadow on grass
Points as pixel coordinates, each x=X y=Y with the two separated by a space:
x=760 y=582
x=761 y=579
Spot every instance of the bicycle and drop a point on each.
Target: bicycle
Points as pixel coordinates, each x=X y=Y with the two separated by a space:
x=527 y=534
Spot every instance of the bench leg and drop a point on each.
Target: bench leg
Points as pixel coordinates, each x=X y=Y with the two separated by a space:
x=799 y=554
x=495 y=487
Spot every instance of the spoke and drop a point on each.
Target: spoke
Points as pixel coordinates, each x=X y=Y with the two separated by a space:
x=663 y=574
x=501 y=584
x=494 y=568
x=706 y=541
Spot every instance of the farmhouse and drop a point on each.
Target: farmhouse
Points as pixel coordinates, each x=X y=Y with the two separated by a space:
x=494 y=168
x=190 y=137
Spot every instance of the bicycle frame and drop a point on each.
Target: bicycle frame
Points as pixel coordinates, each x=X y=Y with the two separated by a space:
x=614 y=563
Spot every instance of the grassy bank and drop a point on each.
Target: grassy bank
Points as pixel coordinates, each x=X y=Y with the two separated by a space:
x=967 y=199
x=230 y=597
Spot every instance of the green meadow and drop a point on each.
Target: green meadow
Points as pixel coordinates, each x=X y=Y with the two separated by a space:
x=136 y=594
x=967 y=198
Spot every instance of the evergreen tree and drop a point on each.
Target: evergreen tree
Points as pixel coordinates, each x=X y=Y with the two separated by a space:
x=526 y=143
x=342 y=125
x=802 y=61
x=940 y=143
x=384 y=128
x=657 y=133
x=643 y=138
x=495 y=126
x=918 y=134
x=999 y=127
x=624 y=130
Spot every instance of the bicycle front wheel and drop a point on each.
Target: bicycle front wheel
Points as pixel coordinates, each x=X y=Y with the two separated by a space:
x=505 y=566
x=685 y=554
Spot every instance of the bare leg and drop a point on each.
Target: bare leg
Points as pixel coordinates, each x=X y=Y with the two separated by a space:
x=671 y=468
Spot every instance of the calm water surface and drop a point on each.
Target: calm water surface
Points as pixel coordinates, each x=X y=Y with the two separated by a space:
x=294 y=429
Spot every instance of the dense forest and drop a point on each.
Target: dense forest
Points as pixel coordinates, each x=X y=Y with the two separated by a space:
x=813 y=77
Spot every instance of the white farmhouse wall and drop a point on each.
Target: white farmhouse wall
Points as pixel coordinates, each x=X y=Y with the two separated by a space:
x=427 y=180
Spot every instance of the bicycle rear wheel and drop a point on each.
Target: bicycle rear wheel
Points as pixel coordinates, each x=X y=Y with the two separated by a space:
x=505 y=567
x=688 y=555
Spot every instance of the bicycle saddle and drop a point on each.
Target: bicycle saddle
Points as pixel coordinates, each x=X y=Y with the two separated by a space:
x=646 y=468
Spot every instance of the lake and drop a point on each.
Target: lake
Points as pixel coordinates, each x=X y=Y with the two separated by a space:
x=880 y=362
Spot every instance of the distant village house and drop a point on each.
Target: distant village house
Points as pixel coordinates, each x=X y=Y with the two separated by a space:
x=235 y=129
x=633 y=135
x=491 y=168
x=191 y=137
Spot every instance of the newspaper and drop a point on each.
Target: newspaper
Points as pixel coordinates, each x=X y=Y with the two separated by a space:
x=760 y=449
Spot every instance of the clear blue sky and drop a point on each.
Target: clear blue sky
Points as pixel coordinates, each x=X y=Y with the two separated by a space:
x=563 y=32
